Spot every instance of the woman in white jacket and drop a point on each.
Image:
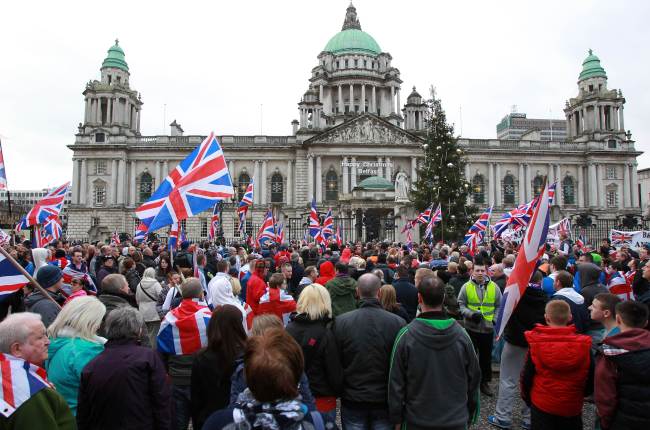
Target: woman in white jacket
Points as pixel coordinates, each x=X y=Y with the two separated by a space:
x=146 y=295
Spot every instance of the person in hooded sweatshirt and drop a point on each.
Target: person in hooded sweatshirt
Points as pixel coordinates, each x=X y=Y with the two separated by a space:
x=564 y=291
x=310 y=275
x=50 y=278
x=433 y=363
x=342 y=289
x=590 y=286
x=622 y=380
x=326 y=270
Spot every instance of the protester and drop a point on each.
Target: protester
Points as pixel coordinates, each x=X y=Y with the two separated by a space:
x=310 y=328
x=405 y=291
x=51 y=279
x=73 y=344
x=564 y=291
x=603 y=310
x=310 y=276
x=342 y=290
x=433 y=363
x=213 y=366
x=124 y=386
x=554 y=379
x=388 y=300
x=107 y=268
x=365 y=339
x=37 y=405
x=146 y=296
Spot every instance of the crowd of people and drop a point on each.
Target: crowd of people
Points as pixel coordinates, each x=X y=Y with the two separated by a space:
x=299 y=336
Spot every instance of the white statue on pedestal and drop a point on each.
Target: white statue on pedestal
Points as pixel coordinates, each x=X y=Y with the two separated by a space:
x=401 y=187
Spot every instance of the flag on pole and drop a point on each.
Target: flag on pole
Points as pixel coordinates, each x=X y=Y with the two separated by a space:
x=531 y=249
x=477 y=231
x=53 y=227
x=48 y=206
x=215 y=220
x=3 y=173
x=244 y=204
x=266 y=232
x=327 y=230
x=11 y=279
x=280 y=233
x=433 y=219
x=140 y=233
x=314 y=221
x=172 y=242
x=115 y=238
x=196 y=184
x=339 y=239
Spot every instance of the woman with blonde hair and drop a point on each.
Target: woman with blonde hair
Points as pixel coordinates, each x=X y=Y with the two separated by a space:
x=73 y=344
x=388 y=300
x=310 y=328
x=146 y=295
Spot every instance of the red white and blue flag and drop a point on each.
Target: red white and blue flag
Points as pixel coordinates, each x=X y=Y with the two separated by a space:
x=266 y=232
x=245 y=203
x=518 y=217
x=214 y=221
x=172 y=241
x=339 y=238
x=182 y=237
x=140 y=233
x=183 y=331
x=53 y=227
x=314 y=222
x=531 y=249
x=476 y=232
x=3 y=173
x=41 y=238
x=434 y=218
x=619 y=285
x=48 y=206
x=280 y=233
x=196 y=184
x=11 y=279
x=20 y=381
x=327 y=230
x=115 y=238
x=69 y=273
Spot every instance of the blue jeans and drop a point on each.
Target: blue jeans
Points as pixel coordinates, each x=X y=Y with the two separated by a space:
x=365 y=419
x=181 y=399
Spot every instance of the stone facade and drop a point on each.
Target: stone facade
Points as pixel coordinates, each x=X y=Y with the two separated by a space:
x=351 y=127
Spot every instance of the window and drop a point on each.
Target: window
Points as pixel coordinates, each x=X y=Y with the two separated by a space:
x=356 y=63
x=94 y=221
x=277 y=188
x=331 y=185
x=611 y=144
x=184 y=226
x=611 y=172
x=100 y=137
x=242 y=184
x=538 y=183
x=100 y=167
x=478 y=188
x=136 y=223
x=509 y=190
x=146 y=187
x=248 y=229
x=99 y=194
x=205 y=223
x=346 y=64
x=612 y=196
x=568 y=191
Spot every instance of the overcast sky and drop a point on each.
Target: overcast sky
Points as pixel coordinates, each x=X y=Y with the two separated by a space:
x=214 y=63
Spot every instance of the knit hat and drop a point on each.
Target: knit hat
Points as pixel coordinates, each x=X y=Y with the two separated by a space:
x=48 y=275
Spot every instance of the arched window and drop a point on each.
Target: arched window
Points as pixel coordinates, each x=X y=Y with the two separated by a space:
x=277 y=188
x=331 y=185
x=242 y=184
x=509 y=190
x=568 y=191
x=538 y=184
x=478 y=188
x=145 y=187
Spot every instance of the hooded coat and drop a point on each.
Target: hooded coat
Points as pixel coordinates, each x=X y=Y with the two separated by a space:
x=326 y=271
x=579 y=312
x=38 y=303
x=590 y=286
x=146 y=295
x=433 y=362
x=342 y=291
x=529 y=311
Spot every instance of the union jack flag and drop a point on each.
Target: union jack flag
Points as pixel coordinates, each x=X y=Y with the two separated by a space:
x=518 y=217
x=328 y=223
x=53 y=227
x=182 y=237
x=183 y=331
x=477 y=231
x=531 y=249
x=581 y=242
x=3 y=174
x=620 y=237
x=140 y=233
x=280 y=233
x=434 y=218
x=564 y=226
x=314 y=221
x=409 y=240
x=266 y=232
x=619 y=285
x=196 y=184
x=11 y=280
x=214 y=222
x=115 y=238
x=41 y=238
x=48 y=206
x=172 y=241
x=244 y=204
x=551 y=193
x=20 y=381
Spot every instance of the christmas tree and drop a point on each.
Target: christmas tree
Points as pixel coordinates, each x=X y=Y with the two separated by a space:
x=440 y=176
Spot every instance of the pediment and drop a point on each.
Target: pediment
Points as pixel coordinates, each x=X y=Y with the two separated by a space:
x=366 y=129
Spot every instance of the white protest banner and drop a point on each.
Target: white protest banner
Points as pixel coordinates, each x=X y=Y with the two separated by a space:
x=633 y=239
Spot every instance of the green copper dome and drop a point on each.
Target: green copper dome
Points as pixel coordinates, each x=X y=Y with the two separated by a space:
x=376 y=183
x=353 y=40
x=591 y=68
x=115 y=58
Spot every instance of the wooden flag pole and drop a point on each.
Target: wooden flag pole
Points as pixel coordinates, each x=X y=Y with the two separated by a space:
x=31 y=279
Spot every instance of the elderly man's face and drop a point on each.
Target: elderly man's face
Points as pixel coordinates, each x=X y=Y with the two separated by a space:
x=34 y=349
x=287 y=271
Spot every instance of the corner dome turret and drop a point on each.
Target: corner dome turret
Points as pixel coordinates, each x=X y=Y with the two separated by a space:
x=115 y=58
x=591 y=68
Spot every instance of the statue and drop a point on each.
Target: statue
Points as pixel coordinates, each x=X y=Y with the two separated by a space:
x=401 y=187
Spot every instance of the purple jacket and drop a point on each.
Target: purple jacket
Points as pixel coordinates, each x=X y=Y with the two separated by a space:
x=124 y=387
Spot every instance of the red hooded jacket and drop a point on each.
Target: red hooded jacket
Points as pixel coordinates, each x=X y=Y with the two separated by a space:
x=556 y=370
x=255 y=287
x=326 y=271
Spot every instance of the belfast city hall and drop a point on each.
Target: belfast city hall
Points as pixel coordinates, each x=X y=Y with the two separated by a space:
x=355 y=147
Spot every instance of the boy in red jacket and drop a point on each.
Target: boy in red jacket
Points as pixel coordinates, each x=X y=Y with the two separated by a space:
x=555 y=377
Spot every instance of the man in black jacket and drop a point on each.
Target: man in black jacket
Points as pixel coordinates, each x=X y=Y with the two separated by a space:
x=406 y=292
x=529 y=311
x=434 y=372
x=365 y=338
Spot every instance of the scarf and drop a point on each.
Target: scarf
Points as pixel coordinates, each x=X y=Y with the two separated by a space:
x=284 y=414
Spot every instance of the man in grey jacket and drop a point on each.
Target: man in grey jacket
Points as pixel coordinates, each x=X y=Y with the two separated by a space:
x=479 y=301
x=434 y=372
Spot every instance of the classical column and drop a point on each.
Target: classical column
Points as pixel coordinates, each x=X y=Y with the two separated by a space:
x=75 y=181
x=593 y=186
x=345 y=169
x=116 y=110
x=497 y=184
x=109 y=105
x=98 y=110
x=551 y=174
x=362 y=109
x=615 y=123
x=353 y=177
x=310 y=175
x=83 y=187
x=121 y=173
x=635 y=187
x=468 y=173
x=374 y=99
x=529 y=195
x=132 y=184
x=114 y=181
x=263 y=180
x=351 y=108
x=522 y=184
x=392 y=99
x=231 y=170
x=319 y=180
x=581 y=188
x=399 y=104
x=380 y=169
x=341 y=107
x=320 y=93
x=601 y=185
x=165 y=171
x=490 y=184
x=389 y=169
x=138 y=124
x=290 y=182
x=558 y=189
x=627 y=201
x=414 y=171
x=621 y=117
x=257 y=183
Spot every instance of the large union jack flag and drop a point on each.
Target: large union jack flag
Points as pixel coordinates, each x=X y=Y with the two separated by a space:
x=619 y=237
x=531 y=249
x=140 y=233
x=477 y=231
x=266 y=232
x=327 y=230
x=196 y=184
x=433 y=219
x=279 y=236
x=48 y=206
x=53 y=227
x=245 y=203
x=314 y=221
